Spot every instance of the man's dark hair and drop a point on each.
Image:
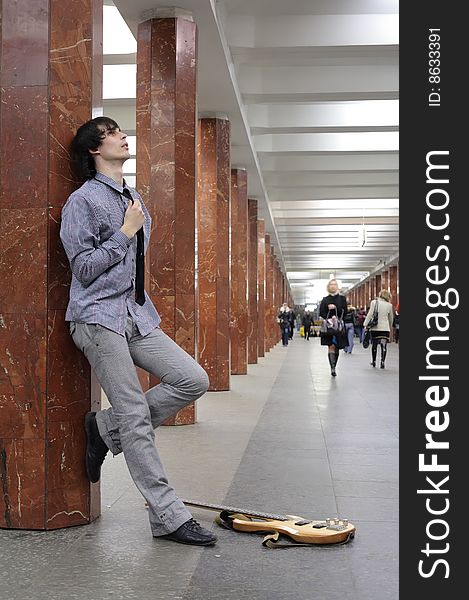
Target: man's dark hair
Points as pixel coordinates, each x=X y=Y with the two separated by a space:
x=89 y=137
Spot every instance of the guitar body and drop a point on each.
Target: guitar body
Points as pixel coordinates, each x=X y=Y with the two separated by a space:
x=298 y=529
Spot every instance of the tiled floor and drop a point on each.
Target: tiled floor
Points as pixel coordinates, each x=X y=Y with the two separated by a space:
x=287 y=438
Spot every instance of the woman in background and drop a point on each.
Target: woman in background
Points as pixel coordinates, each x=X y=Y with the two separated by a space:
x=333 y=305
x=380 y=332
x=350 y=320
x=283 y=319
x=395 y=324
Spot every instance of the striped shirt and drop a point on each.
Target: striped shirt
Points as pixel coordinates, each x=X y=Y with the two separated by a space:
x=102 y=258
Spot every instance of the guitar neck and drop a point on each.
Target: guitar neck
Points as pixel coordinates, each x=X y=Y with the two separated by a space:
x=232 y=509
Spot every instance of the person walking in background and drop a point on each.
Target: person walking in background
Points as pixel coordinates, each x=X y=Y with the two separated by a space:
x=381 y=331
x=350 y=321
x=292 y=323
x=395 y=324
x=307 y=321
x=360 y=319
x=333 y=306
x=284 y=321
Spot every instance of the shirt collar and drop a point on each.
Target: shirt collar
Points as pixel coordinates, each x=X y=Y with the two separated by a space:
x=110 y=182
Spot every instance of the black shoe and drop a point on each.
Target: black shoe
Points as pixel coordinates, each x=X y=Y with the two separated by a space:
x=191 y=532
x=333 y=373
x=96 y=449
x=373 y=364
x=382 y=364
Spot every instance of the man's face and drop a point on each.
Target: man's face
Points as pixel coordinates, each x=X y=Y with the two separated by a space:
x=114 y=146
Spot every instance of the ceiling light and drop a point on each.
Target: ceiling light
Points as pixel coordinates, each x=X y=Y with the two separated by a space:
x=361 y=236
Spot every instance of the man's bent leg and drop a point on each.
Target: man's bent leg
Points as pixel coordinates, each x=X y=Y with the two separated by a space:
x=182 y=379
x=132 y=430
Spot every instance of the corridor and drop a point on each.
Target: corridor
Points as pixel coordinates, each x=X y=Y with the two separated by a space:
x=286 y=439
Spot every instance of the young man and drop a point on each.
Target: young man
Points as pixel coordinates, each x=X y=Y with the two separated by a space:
x=105 y=229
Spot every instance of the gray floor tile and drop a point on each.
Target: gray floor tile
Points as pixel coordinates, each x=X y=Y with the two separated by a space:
x=287 y=438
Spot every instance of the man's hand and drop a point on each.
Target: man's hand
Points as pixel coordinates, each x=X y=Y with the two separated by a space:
x=331 y=306
x=134 y=219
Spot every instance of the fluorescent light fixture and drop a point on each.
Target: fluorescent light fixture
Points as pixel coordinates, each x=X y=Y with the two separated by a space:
x=361 y=236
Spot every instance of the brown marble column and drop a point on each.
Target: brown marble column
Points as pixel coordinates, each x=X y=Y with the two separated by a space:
x=260 y=287
x=362 y=296
x=393 y=285
x=239 y=264
x=277 y=301
x=166 y=128
x=378 y=284
x=252 y=282
x=385 y=279
x=51 y=74
x=213 y=233
x=268 y=296
x=273 y=308
x=367 y=294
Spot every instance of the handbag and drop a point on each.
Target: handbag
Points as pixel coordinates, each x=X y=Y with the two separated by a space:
x=374 y=317
x=366 y=339
x=330 y=326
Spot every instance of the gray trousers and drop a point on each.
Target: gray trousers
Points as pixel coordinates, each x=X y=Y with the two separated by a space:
x=128 y=426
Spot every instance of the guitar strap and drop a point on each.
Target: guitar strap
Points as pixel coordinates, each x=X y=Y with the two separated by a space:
x=272 y=541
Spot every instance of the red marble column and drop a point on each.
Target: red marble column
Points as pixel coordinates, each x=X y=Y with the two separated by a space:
x=213 y=232
x=378 y=284
x=166 y=128
x=268 y=296
x=252 y=282
x=393 y=285
x=385 y=280
x=273 y=308
x=51 y=74
x=239 y=264
x=277 y=301
x=260 y=287
x=362 y=296
x=367 y=293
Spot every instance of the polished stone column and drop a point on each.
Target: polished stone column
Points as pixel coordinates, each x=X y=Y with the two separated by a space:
x=166 y=163
x=252 y=282
x=385 y=280
x=368 y=296
x=213 y=239
x=362 y=296
x=239 y=264
x=268 y=297
x=273 y=308
x=260 y=287
x=277 y=302
x=378 y=284
x=393 y=285
x=51 y=74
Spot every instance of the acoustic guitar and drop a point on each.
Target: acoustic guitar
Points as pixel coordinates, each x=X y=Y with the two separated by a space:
x=300 y=530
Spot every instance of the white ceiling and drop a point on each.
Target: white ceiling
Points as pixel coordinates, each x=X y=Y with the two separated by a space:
x=311 y=90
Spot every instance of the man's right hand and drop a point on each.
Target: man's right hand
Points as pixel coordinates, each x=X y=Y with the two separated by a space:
x=134 y=219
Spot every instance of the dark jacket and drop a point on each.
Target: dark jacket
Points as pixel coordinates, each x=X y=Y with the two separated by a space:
x=340 y=302
x=350 y=316
x=307 y=320
x=284 y=317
